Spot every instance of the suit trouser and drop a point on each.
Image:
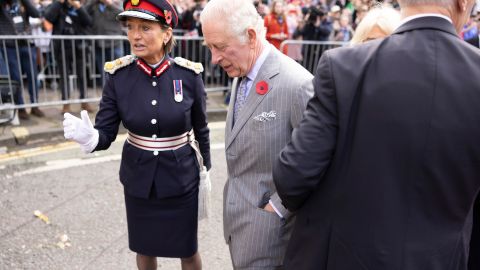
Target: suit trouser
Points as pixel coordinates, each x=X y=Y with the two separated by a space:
x=66 y=67
x=251 y=268
x=26 y=62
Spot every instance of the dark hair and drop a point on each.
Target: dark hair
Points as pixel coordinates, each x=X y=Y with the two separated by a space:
x=314 y=13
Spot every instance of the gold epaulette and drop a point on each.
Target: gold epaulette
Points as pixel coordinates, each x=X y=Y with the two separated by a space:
x=196 y=67
x=119 y=63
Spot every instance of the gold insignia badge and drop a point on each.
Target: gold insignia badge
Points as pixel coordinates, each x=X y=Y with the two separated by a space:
x=109 y=65
x=135 y=2
x=119 y=63
x=194 y=66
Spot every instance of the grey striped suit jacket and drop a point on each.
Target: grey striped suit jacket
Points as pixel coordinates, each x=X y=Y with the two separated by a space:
x=257 y=238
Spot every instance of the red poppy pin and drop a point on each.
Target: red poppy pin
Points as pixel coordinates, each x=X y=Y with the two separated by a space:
x=168 y=16
x=262 y=87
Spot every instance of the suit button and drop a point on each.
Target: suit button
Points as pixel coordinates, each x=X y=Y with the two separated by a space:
x=154 y=121
x=155 y=153
x=154 y=102
x=154 y=83
x=154 y=136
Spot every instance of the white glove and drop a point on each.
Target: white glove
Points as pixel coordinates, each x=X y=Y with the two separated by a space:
x=81 y=131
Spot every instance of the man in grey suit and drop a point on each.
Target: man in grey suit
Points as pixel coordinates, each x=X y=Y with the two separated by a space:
x=269 y=96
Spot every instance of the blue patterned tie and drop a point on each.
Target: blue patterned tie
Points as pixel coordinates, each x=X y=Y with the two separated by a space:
x=241 y=98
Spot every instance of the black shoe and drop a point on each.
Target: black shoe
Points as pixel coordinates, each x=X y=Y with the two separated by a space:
x=37 y=112
x=66 y=109
x=23 y=115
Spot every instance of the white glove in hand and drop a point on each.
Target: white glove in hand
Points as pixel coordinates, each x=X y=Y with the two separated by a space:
x=81 y=131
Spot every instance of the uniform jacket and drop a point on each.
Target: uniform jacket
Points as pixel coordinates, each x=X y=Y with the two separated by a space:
x=145 y=105
x=384 y=167
x=258 y=238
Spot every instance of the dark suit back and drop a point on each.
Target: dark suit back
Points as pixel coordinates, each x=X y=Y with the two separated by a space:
x=386 y=163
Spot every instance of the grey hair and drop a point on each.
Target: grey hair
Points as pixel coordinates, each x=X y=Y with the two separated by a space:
x=238 y=15
x=444 y=3
x=383 y=16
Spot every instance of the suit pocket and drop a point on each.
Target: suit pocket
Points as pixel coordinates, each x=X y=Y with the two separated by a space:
x=187 y=173
x=131 y=159
x=266 y=125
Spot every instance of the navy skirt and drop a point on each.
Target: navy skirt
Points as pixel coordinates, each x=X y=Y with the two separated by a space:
x=165 y=227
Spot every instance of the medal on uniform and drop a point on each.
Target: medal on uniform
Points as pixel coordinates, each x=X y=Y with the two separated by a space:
x=177 y=90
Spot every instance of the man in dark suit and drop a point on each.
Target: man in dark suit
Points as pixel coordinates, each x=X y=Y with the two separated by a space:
x=384 y=168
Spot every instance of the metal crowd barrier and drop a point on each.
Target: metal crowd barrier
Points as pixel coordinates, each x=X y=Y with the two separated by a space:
x=70 y=68
x=307 y=52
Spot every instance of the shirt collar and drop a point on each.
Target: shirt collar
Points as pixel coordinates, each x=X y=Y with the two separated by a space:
x=259 y=62
x=155 y=71
x=409 y=18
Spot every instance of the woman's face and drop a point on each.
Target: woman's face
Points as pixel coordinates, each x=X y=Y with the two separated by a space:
x=147 y=39
x=278 y=8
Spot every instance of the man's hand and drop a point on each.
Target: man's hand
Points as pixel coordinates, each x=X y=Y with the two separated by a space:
x=269 y=208
x=75 y=4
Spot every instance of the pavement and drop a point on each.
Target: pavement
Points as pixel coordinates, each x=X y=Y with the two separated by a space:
x=46 y=130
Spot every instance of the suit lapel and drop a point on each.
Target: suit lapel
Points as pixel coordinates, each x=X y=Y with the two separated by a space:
x=231 y=105
x=267 y=72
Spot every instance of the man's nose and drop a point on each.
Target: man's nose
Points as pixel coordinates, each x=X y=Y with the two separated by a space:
x=215 y=57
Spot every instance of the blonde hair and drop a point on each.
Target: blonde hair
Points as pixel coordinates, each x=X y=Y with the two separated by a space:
x=384 y=17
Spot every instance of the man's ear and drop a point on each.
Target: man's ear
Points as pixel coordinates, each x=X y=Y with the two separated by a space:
x=252 y=37
x=462 y=5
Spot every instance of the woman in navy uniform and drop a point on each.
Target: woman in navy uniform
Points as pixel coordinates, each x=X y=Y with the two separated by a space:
x=162 y=103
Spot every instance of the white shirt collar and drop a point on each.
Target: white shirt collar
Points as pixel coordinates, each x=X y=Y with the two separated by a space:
x=409 y=18
x=157 y=64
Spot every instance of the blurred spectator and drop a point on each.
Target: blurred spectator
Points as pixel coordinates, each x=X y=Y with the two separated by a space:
x=379 y=22
x=191 y=19
x=276 y=25
x=358 y=14
x=344 y=31
x=294 y=19
x=322 y=5
x=104 y=22
x=317 y=26
x=334 y=17
x=470 y=31
x=14 y=20
x=262 y=8
x=69 y=17
x=42 y=28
